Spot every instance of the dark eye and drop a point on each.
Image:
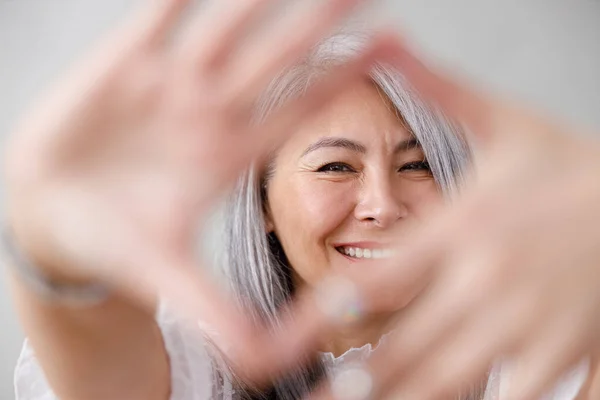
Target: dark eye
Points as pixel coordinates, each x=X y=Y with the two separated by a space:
x=416 y=166
x=336 y=167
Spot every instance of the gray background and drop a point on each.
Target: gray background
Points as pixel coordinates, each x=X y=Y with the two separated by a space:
x=547 y=52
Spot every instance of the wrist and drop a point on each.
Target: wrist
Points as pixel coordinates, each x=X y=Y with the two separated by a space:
x=50 y=284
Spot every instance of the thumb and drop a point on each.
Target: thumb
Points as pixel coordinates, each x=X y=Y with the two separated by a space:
x=591 y=388
x=155 y=273
x=459 y=101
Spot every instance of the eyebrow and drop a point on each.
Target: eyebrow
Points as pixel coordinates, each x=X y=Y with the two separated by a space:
x=407 y=144
x=328 y=142
x=335 y=142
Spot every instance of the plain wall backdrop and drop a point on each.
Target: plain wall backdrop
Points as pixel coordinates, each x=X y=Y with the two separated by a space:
x=546 y=52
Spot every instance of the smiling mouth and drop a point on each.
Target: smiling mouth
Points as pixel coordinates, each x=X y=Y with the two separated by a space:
x=359 y=252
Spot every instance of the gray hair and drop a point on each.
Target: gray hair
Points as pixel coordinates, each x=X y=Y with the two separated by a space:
x=254 y=265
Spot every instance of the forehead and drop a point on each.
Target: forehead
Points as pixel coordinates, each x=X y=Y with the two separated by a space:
x=362 y=113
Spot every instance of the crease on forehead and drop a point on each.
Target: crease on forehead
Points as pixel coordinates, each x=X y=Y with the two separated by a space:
x=406 y=144
x=368 y=95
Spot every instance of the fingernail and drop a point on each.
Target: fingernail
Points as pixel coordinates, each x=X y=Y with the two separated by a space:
x=338 y=298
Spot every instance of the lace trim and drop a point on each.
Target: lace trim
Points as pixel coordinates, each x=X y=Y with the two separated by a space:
x=355 y=354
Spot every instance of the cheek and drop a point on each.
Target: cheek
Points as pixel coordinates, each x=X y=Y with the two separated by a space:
x=326 y=204
x=312 y=207
x=420 y=197
x=305 y=214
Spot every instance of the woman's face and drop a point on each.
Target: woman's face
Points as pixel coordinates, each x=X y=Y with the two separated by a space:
x=347 y=185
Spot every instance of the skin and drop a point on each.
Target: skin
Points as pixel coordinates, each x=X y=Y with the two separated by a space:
x=322 y=195
x=104 y=141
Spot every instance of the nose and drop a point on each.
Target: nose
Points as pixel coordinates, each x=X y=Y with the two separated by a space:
x=378 y=204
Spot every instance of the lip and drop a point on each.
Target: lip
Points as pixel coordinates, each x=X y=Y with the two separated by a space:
x=364 y=245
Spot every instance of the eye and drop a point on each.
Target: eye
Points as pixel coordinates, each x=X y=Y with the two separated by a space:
x=336 y=167
x=416 y=166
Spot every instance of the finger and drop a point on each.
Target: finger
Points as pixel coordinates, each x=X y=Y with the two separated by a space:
x=215 y=33
x=307 y=323
x=280 y=47
x=428 y=324
x=145 y=270
x=460 y=358
x=90 y=77
x=156 y=21
x=314 y=322
x=538 y=367
x=462 y=288
x=163 y=17
x=392 y=283
x=194 y=295
x=426 y=252
x=155 y=274
x=591 y=388
x=196 y=299
x=465 y=377
x=417 y=329
x=277 y=128
x=458 y=100
x=466 y=354
x=412 y=340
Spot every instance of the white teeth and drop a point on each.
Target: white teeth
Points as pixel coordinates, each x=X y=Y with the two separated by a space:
x=357 y=252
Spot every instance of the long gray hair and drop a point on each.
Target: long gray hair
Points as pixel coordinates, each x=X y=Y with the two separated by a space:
x=254 y=264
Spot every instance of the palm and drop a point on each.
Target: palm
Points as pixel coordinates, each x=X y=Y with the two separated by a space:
x=158 y=157
x=510 y=268
x=154 y=156
x=142 y=138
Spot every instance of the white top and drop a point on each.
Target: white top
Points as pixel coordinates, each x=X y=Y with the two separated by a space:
x=194 y=378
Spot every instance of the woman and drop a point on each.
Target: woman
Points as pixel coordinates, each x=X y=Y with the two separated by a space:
x=329 y=198
x=339 y=192
x=336 y=194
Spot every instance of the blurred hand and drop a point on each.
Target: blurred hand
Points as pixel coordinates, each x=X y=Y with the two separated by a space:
x=511 y=268
x=110 y=175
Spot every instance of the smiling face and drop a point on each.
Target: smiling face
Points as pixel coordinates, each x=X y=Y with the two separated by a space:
x=346 y=185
